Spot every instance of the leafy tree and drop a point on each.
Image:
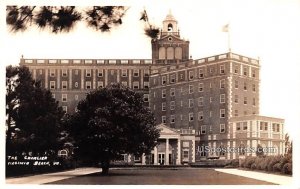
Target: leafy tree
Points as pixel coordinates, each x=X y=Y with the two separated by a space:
x=110 y=122
x=288 y=145
x=150 y=30
x=33 y=116
x=63 y=18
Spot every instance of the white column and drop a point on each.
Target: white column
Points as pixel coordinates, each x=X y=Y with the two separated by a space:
x=155 y=155
x=118 y=76
x=106 y=77
x=94 y=78
x=70 y=79
x=34 y=74
x=167 y=151
x=143 y=159
x=129 y=78
x=233 y=146
x=194 y=151
x=46 y=78
x=82 y=78
x=58 y=78
x=178 y=160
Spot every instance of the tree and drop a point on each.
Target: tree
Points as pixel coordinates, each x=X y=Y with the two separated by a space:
x=110 y=122
x=33 y=116
x=288 y=145
x=63 y=18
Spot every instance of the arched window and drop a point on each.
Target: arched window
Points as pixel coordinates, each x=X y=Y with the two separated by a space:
x=178 y=53
x=162 y=53
x=170 y=53
x=170 y=27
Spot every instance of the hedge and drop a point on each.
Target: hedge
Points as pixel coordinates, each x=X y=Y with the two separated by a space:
x=280 y=164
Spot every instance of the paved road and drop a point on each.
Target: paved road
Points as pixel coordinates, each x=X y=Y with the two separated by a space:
x=51 y=177
x=277 y=179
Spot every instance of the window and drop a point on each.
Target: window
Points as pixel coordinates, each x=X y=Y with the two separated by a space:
x=245 y=126
x=65 y=109
x=222 y=98
x=64 y=97
x=172 y=78
x=76 y=97
x=163 y=80
x=146 y=97
x=236 y=69
x=172 y=92
x=253 y=73
x=146 y=85
x=236 y=113
x=88 y=85
x=154 y=94
x=52 y=73
x=100 y=84
x=203 y=129
x=88 y=72
x=191 y=116
x=236 y=98
x=222 y=113
x=163 y=119
x=76 y=72
x=64 y=73
x=100 y=73
x=124 y=83
x=136 y=85
x=222 y=128
x=200 y=101
x=163 y=106
x=253 y=87
x=191 y=89
x=146 y=73
x=236 y=84
x=163 y=93
x=245 y=69
x=52 y=84
x=191 y=75
x=276 y=127
x=222 y=84
x=238 y=126
x=172 y=105
x=172 y=118
x=185 y=154
x=191 y=103
x=64 y=84
x=200 y=115
x=124 y=73
x=222 y=69
x=254 y=102
x=135 y=73
x=245 y=86
x=263 y=126
x=200 y=87
x=245 y=100
x=76 y=84
x=211 y=70
x=201 y=75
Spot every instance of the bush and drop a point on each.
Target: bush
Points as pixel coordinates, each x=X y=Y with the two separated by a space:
x=273 y=161
x=277 y=167
x=253 y=166
x=287 y=169
x=249 y=161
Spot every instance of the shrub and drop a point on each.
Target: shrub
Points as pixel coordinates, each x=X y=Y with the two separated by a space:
x=277 y=167
x=273 y=161
x=249 y=161
x=253 y=166
x=287 y=168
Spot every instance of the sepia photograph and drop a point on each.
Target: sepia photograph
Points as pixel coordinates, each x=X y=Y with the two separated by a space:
x=151 y=93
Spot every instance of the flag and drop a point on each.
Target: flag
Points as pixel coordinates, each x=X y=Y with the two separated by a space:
x=225 y=28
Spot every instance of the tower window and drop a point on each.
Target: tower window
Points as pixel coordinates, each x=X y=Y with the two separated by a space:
x=170 y=27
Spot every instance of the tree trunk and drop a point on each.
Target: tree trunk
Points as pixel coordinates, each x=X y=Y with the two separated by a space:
x=105 y=167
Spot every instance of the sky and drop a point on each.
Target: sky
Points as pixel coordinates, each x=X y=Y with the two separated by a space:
x=264 y=29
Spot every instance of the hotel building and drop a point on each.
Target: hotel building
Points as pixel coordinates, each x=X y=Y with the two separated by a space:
x=209 y=102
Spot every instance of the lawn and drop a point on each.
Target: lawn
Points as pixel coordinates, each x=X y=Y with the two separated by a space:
x=156 y=176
